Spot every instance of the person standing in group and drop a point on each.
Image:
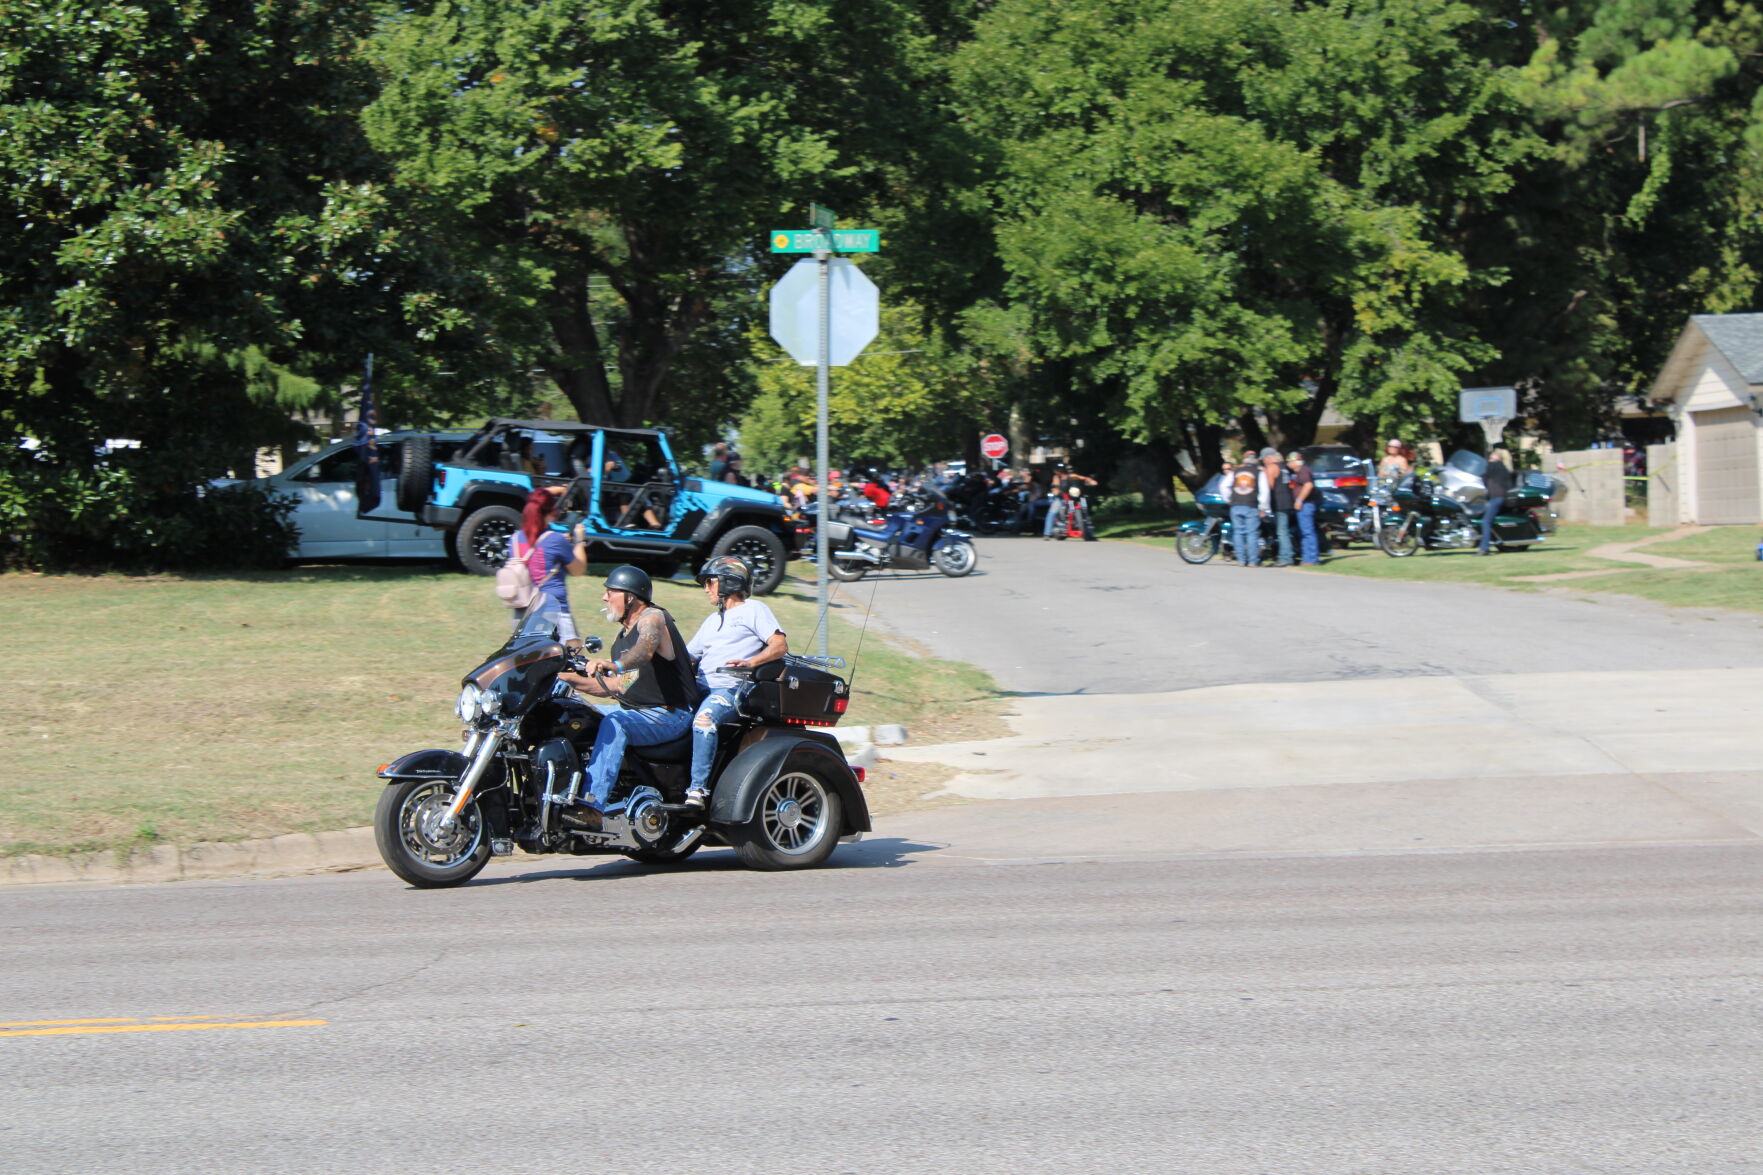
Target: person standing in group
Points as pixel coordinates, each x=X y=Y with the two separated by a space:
x=550 y=555
x=1249 y=504
x=718 y=461
x=1279 y=495
x=1498 y=480
x=731 y=471
x=1304 y=503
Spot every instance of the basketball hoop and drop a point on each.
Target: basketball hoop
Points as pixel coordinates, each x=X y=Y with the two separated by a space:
x=1493 y=428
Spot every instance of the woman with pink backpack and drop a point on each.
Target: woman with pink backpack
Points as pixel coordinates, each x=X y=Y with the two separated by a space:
x=539 y=558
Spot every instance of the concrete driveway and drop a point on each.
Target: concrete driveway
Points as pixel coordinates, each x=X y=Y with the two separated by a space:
x=1276 y=709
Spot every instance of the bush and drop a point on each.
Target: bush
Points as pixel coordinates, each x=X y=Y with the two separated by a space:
x=128 y=512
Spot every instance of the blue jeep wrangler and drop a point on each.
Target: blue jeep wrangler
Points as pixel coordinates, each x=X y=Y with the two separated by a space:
x=622 y=484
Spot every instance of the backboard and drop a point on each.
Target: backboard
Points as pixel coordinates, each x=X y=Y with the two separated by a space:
x=1475 y=404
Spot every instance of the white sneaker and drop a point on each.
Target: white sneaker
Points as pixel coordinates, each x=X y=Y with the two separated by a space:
x=697 y=797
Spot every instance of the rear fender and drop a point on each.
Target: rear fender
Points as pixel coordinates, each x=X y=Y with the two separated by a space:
x=749 y=772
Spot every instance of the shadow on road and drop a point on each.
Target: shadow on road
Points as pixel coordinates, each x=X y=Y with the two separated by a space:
x=877 y=853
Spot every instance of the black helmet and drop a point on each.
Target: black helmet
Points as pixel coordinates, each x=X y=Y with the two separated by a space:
x=730 y=573
x=625 y=578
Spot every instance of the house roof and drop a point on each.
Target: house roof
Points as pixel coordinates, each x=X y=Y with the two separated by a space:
x=1740 y=339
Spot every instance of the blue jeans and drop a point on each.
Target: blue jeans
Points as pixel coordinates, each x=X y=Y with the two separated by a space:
x=622 y=728
x=1055 y=518
x=1309 y=549
x=1487 y=523
x=1245 y=534
x=718 y=706
x=1283 y=530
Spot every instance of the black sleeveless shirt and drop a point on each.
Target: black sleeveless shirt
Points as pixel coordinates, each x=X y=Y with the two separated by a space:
x=662 y=683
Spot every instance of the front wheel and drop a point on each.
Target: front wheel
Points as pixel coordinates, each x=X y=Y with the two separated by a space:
x=1398 y=542
x=762 y=552
x=482 y=540
x=795 y=825
x=407 y=829
x=1196 y=546
x=956 y=559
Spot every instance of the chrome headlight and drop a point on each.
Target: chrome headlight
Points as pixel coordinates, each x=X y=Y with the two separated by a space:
x=475 y=703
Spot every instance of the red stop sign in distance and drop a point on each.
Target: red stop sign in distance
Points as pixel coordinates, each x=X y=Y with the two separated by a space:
x=994 y=446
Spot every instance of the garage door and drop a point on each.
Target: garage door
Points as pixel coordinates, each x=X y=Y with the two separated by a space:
x=1726 y=466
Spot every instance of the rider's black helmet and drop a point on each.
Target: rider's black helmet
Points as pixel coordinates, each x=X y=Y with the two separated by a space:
x=731 y=574
x=634 y=580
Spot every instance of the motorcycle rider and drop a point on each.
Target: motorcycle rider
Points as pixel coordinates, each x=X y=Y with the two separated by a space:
x=741 y=634
x=653 y=675
x=1064 y=480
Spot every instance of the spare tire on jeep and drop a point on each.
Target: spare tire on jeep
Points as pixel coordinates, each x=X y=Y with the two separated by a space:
x=416 y=473
x=761 y=550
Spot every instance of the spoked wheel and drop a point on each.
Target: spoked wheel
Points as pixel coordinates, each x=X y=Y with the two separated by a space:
x=1398 y=542
x=1196 y=546
x=794 y=826
x=407 y=829
x=956 y=559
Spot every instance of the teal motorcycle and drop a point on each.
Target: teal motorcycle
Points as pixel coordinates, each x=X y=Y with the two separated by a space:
x=1442 y=510
x=1198 y=542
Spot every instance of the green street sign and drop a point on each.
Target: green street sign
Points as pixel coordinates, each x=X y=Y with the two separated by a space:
x=807 y=240
x=821 y=217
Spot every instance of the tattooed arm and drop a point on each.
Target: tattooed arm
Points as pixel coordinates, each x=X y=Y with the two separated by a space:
x=650 y=641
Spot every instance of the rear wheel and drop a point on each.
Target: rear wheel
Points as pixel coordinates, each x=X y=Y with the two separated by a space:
x=956 y=559
x=1399 y=542
x=762 y=552
x=795 y=825
x=407 y=827
x=1196 y=546
x=846 y=570
x=482 y=541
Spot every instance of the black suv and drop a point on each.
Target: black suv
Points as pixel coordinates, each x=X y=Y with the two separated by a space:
x=622 y=484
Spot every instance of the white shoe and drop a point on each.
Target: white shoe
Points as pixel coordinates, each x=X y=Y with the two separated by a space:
x=697 y=797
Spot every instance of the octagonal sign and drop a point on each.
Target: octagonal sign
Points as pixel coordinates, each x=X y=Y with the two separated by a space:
x=855 y=310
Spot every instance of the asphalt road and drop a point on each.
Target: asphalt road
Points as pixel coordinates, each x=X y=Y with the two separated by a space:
x=1482 y=1013
x=1073 y=985
x=1111 y=618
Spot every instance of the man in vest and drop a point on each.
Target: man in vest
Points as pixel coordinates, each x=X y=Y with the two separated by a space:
x=649 y=672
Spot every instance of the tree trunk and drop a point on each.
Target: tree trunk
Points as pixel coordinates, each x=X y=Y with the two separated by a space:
x=579 y=367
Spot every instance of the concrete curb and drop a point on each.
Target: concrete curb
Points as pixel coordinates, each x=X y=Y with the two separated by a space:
x=275 y=856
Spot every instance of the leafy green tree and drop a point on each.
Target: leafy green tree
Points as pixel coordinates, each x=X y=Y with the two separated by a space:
x=605 y=174
x=1212 y=214
x=911 y=398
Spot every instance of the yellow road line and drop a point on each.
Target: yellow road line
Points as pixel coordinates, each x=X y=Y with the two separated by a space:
x=94 y=1030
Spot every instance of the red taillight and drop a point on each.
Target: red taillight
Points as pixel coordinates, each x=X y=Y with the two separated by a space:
x=1350 y=481
x=860 y=773
x=833 y=721
x=839 y=705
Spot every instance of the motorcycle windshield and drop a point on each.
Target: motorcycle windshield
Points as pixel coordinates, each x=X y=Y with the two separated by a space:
x=1472 y=464
x=541 y=621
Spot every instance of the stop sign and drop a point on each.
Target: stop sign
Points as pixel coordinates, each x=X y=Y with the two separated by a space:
x=994 y=446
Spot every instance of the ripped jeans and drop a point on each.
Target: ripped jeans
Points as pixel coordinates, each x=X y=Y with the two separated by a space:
x=718 y=706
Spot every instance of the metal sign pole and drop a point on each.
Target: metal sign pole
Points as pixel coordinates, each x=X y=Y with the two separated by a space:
x=823 y=365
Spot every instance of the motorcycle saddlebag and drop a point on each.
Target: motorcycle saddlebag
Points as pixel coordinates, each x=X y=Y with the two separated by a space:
x=798 y=695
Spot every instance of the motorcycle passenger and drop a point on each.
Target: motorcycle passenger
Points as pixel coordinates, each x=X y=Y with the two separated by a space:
x=657 y=689
x=1498 y=480
x=741 y=634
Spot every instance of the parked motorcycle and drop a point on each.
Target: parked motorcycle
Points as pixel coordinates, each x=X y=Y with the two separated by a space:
x=915 y=538
x=783 y=796
x=1442 y=510
x=1345 y=521
x=1198 y=542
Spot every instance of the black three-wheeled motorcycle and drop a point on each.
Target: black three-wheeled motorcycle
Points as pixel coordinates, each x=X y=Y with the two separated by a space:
x=783 y=795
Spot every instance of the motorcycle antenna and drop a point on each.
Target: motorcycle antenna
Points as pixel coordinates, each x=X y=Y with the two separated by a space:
x=868 y=610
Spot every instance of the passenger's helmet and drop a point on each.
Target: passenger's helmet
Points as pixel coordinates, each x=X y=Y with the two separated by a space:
x=733 y=576
x=634 y=580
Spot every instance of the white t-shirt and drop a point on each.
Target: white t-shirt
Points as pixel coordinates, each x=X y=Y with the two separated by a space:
x=734 y=634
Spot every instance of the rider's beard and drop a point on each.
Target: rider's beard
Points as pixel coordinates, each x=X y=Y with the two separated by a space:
x=611 y=616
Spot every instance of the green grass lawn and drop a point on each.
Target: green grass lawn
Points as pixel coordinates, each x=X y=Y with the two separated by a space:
x=183 y=708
